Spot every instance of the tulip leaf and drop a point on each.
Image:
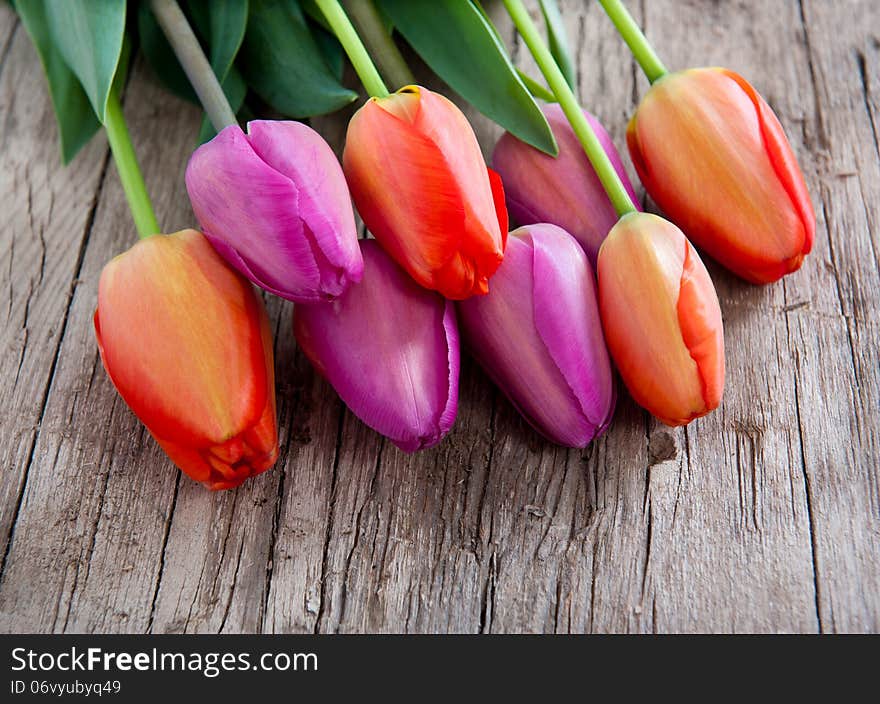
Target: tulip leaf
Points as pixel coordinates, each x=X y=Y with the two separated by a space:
x=330 y=48
x=539 y=90
x=223 y=22
x=89 y=34
x=220 y=27
x=160 y=56
x=558 y=42
x=282 y=63
x=76 y=120
x=456 y=41
x=314 y=12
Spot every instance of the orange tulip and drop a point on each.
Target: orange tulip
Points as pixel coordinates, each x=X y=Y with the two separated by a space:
x=419 y=181
x=661 y=318
x=712 y=154
x=187 y=344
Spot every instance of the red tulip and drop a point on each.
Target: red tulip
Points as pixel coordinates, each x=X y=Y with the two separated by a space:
x=714 y=157
x=661 y=318
x=187 y=344
x=419 y=181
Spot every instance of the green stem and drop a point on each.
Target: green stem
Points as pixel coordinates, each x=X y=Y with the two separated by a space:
x=611 y=182
x=368 y=23
x=351 y=42
x=191 y=57
x=129 y=171
x=635 y=39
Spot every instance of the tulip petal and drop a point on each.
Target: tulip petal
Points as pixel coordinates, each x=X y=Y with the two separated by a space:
x=301 y=154
x=567 y=319
x=186 y=341
x=390 y=349
x=453 y=361
x=255 y=209
x=699 y=318
x=500 y=205
x=447 y=127
x=394 y=164
x=783 y=160
x=207 y=345
x=532 y=333
x=661 y=318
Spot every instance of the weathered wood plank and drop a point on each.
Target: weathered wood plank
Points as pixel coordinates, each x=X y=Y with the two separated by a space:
x=47 y=219
x=834 y=339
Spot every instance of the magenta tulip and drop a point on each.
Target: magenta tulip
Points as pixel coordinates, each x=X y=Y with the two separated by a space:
x=275 y=205
x=390 y=349
x=538 y=334
x=564 y=190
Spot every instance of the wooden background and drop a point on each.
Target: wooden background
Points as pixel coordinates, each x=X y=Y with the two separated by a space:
x=764 y=516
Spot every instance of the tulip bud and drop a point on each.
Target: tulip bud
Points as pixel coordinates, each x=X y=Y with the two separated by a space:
x=538 y=335
x=562 y=190
x=390 y=349
x=187 y=344
x=661 y=318
x=421 y=186
x=714 y=157
x=275 y=205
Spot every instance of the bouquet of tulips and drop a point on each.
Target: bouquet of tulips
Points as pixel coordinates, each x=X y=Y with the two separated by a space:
x=585 y=285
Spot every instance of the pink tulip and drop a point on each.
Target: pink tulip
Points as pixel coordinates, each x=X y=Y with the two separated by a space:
x=275 y=205
x=562 y=190
x=390 y=349
x=538 y=334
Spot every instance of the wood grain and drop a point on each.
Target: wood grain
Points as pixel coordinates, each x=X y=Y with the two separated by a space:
x=762 y=517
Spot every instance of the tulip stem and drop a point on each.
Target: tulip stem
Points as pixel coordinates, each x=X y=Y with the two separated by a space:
x=369 y=25
x=354 y=48
x=127 y=166
x=602 y=165
x=194 y=62
x=635 y=39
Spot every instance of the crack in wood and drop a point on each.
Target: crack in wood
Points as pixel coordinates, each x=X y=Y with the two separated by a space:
x=330 y=515
x=821 y=132
x=161 y=570
x=7 y=44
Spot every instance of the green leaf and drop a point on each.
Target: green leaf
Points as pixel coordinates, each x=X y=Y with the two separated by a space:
x=89 y=34
x=76 y=120
x=219 y=25
x=282 y=63
x=456 y=41
x=330 y=48
x=558 y=42
x=223 y=23
x=314 y=13
x=539 y=90
x=160 y=56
